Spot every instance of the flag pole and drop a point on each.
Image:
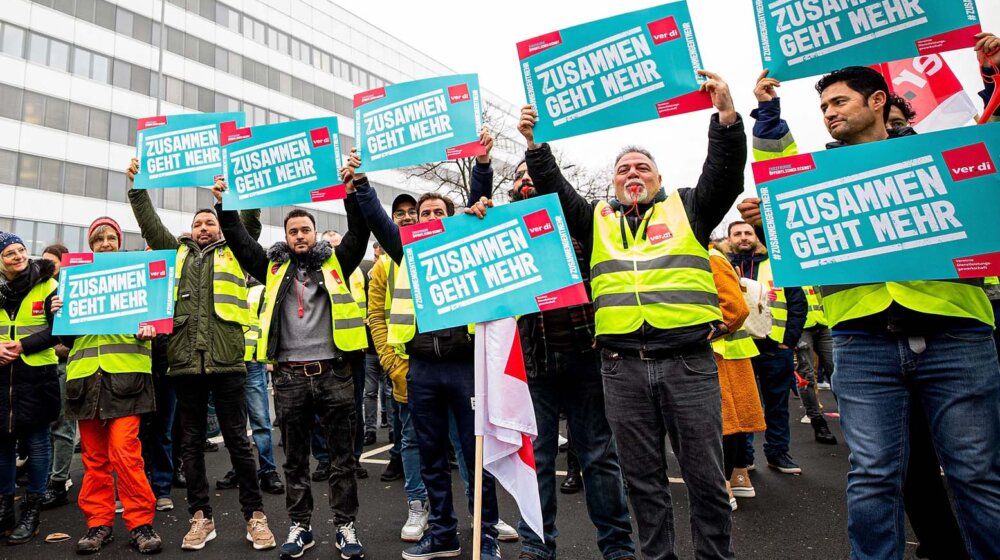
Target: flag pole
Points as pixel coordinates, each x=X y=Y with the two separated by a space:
x=477 y=508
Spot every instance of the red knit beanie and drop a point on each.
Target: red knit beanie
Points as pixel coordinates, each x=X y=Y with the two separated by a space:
x=104 y=221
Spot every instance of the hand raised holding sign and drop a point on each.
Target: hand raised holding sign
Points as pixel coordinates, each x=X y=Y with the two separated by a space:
x=347 y=174
x=146 y=332
x=750 y=211
x=722 y=99
x=57 y=304
x=130 y=173
x=479 y=209
x=765 y=88
x=486 y=139
x=218 y=188
x=988 y=49
x=526 y=126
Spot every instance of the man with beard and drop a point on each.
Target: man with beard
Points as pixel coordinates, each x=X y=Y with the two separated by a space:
x=206 y=350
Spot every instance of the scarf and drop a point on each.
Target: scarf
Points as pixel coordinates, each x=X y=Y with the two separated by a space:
x=12 y=292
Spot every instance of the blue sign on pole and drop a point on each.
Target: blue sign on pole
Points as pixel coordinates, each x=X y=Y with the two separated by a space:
x=801 y=38
x=180 y=150
x=517 y=260
x=425 y=121
x=621 y=70
x=921 y=207
x=281 y=164
x=116 y=293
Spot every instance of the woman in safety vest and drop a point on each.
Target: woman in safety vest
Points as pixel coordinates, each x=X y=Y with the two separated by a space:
x=108 y=385
x=29 y=383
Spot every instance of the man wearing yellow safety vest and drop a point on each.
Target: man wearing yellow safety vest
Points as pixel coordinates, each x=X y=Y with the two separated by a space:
x=775 y=366
x=205 y=357
x=655 y=306
x=440 y=383
x=816 y=339
x=895 y=343
x=308 y=323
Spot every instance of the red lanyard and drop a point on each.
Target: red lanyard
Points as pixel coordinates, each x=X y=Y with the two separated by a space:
x=300 y=294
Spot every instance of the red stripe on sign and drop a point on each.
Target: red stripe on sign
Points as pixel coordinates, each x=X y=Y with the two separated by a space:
x=73 y=259
x=152 y=122
x=575 y=294
x=687 y=103
x=538 y=44
x=336 y=192
x=526 y=453
x=162 y=326
x=472 y=149
x=978 y=266
x=951 y=40
x=416 y=232
x=229 y=133
x=368 y=96
x=769 y=170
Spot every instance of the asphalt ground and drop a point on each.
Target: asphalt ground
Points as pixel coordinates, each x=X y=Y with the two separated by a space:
x=793 y=517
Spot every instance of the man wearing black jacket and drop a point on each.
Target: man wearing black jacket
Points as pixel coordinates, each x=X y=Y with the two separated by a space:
x=775 y=366
x=308 y=322
x=656 y=308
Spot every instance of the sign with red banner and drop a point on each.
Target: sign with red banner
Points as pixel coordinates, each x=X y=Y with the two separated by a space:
x=928 y=84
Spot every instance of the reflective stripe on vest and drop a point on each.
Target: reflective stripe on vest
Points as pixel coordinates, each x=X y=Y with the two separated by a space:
x=252 y=333
x=229 y=285
x=778 y=305
x=402 y=317
x=30 y=320
x=738 y=345
x=112 y=353
x=660 y=276
x=358 y=290
x=815 y=315
x=951 y=298
x=347 y=318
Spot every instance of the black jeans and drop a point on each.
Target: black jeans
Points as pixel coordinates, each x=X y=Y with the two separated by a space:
x=299 y=400
x=231 y=409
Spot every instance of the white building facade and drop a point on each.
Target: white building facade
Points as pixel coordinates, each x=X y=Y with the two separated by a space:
x=75 y=75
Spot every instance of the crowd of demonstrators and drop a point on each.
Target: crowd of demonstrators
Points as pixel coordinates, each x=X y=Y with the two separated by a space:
x=670 y=349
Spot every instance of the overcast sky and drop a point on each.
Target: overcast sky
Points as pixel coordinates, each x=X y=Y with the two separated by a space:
x=480 y=37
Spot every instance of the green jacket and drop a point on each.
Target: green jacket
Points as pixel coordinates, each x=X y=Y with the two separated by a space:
x=201 y=341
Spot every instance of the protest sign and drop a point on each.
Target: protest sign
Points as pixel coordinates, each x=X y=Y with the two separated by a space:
x=116 y=293
x=932 y=90
x=180 y=150
x=800 y=38
x=920 y=207
x=425 y=121
x=517 y=260
x=621 y=70
x=280 y=164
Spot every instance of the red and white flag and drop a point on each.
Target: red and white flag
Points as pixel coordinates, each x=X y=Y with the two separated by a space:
x=933 y=91
x=505 y=416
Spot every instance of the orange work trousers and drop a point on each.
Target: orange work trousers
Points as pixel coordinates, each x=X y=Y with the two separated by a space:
x=113 y=445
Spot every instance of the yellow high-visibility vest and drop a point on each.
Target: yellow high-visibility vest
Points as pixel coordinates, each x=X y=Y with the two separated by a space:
x=778 y=303
x=737 y=345
x=229 y=284
x=112 y=353
x=815 y=315
x=30 y=320
x=252 y=334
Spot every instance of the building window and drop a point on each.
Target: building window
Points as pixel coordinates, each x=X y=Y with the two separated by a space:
x=27 y=171
x=59 y=55
x=119 y=129
x=99 y=68
x=142 y=28
x=140 y=80
x=34 y=108
x=8 y=168
x=38 y=49
x=104 y=15
x=79 y=119
x=97 y=183
x=50 y=175
x=10 y=102
x=123 y=22
x=117 y=189
x=57 y=113
x=81 y=62
x=76 y=179
x=13 y=40
x=100 y=124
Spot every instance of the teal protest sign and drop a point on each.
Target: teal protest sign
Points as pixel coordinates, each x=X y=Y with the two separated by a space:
x=801 y=38
x=621 y=70
x=180 y=150
x=921 y=207
x=280 y=164
x=116 y=293
x=517 y=260
x=425 y=121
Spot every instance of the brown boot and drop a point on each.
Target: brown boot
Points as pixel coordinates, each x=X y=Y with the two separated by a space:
x=740 y=482
x=145 y=540
x=95 y=538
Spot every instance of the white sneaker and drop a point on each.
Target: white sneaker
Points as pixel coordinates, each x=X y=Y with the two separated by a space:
x=506 y=533
x=805 y=420
x=824 y=385
x=416 y=522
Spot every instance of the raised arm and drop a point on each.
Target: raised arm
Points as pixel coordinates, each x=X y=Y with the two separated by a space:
x=386 y=231
x=156 y=234
x=481 y=182
x=772 y=138
x=355 y=242
x=247 y=251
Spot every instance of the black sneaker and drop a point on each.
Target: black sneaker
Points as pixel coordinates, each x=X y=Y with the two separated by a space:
x=271 y=483
x=323 y=472
x=360 y=472
x=393 y=471
x=427 y=548
x=55 y=495
x=227 y=482
x=369 y=438
x=572 y=484
x=211 y=447
x=784 y=463
x=822 y=431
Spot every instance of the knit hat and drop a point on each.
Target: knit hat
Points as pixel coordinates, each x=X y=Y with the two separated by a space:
x=8 y=239
x=104 y=221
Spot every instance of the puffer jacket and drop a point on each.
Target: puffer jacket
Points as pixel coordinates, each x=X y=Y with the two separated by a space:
x=201 y=341
x=29 y=395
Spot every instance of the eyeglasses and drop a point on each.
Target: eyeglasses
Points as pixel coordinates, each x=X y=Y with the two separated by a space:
x=404 y=213
x=520 y=173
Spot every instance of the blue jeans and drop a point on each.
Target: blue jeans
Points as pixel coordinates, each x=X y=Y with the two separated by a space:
x=435 y=389
x=956 y=378
x=39 y=458
x=397 y=431
x=775 y=373
x=260 y=416
x=412 y=483
x=156 y=436
x=572 y=382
